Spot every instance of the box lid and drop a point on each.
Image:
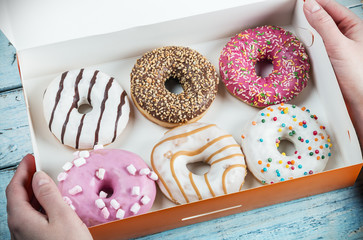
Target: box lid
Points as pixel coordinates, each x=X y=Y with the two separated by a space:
x=29 y=24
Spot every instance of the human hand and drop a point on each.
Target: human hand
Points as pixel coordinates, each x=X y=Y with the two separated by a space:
x=342 y=33
x=24 y=198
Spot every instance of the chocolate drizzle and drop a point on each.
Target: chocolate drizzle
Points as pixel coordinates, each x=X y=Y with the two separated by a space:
x=93 y=81
x=79 y=131
x=108 y=86
x=60 y=89
x=74 y=103
x=119 y=113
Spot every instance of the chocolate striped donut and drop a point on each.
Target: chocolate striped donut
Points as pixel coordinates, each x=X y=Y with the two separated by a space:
x=198 y=142
x=72 y=89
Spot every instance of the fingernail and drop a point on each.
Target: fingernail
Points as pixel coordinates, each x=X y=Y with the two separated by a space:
x=42 y=178
x=312 y=5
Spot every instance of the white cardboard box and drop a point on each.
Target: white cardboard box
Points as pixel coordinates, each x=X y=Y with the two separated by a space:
x=55 y=37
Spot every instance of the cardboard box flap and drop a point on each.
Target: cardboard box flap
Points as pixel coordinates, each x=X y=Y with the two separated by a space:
x=30 y=24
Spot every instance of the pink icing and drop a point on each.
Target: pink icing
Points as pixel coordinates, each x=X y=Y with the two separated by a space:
x=290 y=66
x=117 y=183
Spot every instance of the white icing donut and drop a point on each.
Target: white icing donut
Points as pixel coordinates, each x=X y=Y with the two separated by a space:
x=107 y=119
x=261 y=139
x=198 y=142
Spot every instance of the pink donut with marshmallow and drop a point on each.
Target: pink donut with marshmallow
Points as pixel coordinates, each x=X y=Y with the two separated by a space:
x=290 y=66
x=107 y=184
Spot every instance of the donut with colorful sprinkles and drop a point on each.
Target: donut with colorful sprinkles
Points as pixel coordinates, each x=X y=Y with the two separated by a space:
x=290 y=72
x=263 y=135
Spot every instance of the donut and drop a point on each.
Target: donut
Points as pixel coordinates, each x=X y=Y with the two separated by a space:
x=196 y=75
x=198 y=142
x=72 y=89
x=290 y=66
x=263 y=135
x=104 y=185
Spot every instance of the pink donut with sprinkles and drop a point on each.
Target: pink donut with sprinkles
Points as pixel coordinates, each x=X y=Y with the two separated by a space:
x=264 y=135
x=290 y=66
x=107 y=184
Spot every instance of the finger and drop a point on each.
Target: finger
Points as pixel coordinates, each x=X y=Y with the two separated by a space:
x=49 y=197
x=19 y=188
x=323 y=23
x=347 y=22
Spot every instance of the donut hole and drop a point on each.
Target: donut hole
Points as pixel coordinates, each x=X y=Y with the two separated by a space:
x=264 y=67
x=172 y=84
x=198 y=168
x=107 y=188
x=287 y=147
x=85 y=108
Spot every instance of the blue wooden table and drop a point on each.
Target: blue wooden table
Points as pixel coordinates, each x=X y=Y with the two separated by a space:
x=332 y=215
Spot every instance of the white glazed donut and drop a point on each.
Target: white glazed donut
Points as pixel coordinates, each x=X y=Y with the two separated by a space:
x=107 y=119
x=198 y=142
x=262 y=136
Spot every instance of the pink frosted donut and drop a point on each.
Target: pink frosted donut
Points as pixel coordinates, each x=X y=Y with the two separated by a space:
x=107 y=184
x=290 y=66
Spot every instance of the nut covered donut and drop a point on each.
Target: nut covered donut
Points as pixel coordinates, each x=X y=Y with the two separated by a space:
x=107 y=184
x=198 y=142
x=194 y=72
x=73 y=89
x=290 y=66
x=262 y=136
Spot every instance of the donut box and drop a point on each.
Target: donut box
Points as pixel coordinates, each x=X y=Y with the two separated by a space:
x=113 y=42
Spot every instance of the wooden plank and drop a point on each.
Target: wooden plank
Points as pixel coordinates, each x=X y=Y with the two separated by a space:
x=9 y=74
x=5 y=177
x=14 y=128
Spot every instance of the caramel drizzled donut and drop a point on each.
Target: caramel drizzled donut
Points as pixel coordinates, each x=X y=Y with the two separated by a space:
x=196 y=75
x=198 y=142
x=72 y=89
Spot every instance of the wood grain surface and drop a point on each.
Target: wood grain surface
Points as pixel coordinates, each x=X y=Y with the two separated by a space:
x=333 y=215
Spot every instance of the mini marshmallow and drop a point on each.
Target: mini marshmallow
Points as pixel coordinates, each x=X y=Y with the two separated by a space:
x=62 y=176
x=76 y=189
x=153 y=176
x=135 y=208
x=76 y=154
x=105 y=212
x=145 y=200
x=67 y=200
x=98 y=146
x=115 y=204
x=135 y=191
x=131 y=169
x=120 y=214
x=73 y=207
x=67 y=166
x=144 y=171
x=102 y=194
x=100 y=173
x=79 y=162
x=100 y=203
x=84 y=154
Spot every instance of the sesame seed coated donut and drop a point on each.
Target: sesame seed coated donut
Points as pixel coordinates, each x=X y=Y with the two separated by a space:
x=290 y=66
x=262 y=137
x=195 y=73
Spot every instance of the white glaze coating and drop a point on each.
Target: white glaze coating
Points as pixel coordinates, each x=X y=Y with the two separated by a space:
x=192 y=143
x=107 y=119
x=260 y=142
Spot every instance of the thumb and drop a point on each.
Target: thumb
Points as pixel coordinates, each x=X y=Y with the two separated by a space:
x=49 y=197
x=322 y=22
